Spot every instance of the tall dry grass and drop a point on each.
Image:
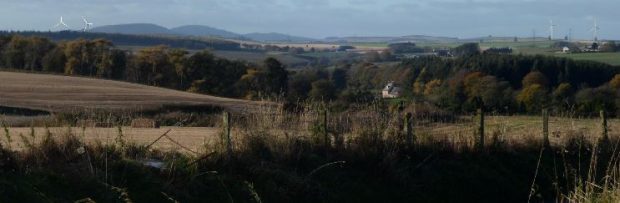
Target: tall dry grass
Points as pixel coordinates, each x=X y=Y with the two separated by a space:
x=276 y=150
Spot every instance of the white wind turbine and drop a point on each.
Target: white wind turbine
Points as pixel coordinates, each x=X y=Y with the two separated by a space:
x=595 y=30
x=62 y=23
x=87 y=25
x=551 y=29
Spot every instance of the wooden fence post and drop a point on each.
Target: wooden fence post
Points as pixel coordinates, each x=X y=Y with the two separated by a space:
x=545 y=115
x=325 y=129
x=227 y=132
x=408 y=127
x=480 y=129
x=604 y=125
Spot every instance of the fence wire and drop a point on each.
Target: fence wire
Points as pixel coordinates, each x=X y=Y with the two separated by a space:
x=455 y=128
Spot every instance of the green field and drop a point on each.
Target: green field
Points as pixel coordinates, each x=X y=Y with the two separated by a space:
x=609 y=58
x=370 y=44
x=540 y=47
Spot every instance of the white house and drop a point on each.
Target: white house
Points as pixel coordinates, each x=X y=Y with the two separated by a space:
x=565 y=50
x=391 y=91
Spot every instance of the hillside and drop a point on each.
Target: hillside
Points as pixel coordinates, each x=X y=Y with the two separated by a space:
x=134 y=28
x=276 y=37
x=387 y=39
x=195 y=30
x=63 y=93
x=201 y=30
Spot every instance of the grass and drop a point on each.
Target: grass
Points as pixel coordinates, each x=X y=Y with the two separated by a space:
x=609 y=58
x=370 y=44
x=514 y=129
x=281 y=156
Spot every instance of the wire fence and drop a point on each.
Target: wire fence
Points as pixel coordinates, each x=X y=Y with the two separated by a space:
x=454 y=128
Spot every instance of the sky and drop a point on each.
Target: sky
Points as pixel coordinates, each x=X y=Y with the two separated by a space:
x=327 y=18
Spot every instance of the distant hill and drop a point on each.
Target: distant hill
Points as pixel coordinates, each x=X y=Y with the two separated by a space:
x=387 y=39
x=201 y=30
x=196 y=30
x=424 y=38
x=135 y=29
x=276 y=37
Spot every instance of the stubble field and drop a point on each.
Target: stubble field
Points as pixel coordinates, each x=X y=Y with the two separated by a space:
x=57 y=93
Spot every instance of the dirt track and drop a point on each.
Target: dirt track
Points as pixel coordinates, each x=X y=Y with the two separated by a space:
x=64 y=93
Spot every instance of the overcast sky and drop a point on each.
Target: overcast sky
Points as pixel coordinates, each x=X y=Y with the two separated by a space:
x=324 y=18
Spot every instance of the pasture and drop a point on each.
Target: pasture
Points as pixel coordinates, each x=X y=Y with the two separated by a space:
x=609 y=58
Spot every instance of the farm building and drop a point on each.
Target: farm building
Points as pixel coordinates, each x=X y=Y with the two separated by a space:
x=391 y=91
x=443 y=53
x=592 y=48
x=565 y=50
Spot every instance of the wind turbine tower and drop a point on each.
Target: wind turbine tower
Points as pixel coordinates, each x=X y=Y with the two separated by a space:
x=533 y=37
x=87 y=25
x=61 y=23
x=551 y=29
x=595 y=30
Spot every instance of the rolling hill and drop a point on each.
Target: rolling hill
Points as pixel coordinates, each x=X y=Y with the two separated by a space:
x=196 y=30
x=201 y=30
x=55 y=93
x=134 y=29
x=387 y=39
x=276 y=37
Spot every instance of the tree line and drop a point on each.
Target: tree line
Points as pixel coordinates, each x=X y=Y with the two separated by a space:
x=514 y=83
x=134 y=40
x=160 y=66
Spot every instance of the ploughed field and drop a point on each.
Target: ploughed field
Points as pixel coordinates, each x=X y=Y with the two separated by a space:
x=57 y=93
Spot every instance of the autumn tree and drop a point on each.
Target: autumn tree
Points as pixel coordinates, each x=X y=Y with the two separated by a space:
x=91 y=58
x=596 y=99
x=562 y=96
x=339 y=78
x=151 y=66
x=14 y=52
x=535 y=77
x=615 y=82
x=533 y=97
x=36 y=49
x=54 y=61
x=178 y=59
x=431 y=87
x=422 y=78
x=322 y=90
x=276 y=81
x=372 y=56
